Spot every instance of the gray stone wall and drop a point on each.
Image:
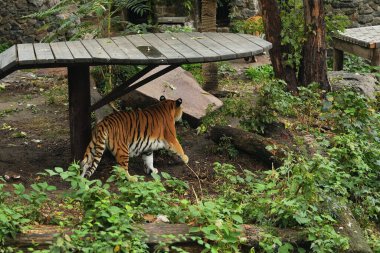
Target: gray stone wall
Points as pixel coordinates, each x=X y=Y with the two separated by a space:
x=360 y=12
x=243 y=9
x=14 y=28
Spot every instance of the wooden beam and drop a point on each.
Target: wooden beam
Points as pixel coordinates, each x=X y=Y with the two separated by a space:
x=124 y=89
x=348 y=47
x=113 y=94
x=79 y=109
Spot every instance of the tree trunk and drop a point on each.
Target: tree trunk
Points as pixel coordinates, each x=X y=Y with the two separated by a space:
x=208 y=20
x=313 y=66
x=272 y=25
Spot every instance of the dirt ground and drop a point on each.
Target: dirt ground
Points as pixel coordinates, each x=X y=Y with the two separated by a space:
x=34 y=135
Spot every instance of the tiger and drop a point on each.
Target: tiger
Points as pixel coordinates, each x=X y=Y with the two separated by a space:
x=132 y=133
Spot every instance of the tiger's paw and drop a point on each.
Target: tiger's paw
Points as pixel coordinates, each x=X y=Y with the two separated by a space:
x=185 y=159
x=150 y=171
x=132 y=179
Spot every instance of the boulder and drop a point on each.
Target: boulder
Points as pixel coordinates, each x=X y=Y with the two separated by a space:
x=365 y=84
x=175 y=84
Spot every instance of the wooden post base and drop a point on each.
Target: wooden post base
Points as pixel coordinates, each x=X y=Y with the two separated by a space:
x=338 y=60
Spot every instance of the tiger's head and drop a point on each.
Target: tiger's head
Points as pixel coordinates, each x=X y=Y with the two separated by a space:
x=176 y=104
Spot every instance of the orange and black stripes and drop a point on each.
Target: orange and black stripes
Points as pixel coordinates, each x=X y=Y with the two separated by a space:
x=128 y=134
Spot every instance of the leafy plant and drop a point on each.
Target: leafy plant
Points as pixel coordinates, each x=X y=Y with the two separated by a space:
x=19 y=208
x=95 y=17
x=195 y=70
x=226 y=147
x=357 y=64
x=260 y=73
x=253 y=25
x=226 y=70
x=118 y=75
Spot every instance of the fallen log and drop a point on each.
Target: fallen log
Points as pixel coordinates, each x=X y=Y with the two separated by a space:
x=42 y=236
x=250 y=143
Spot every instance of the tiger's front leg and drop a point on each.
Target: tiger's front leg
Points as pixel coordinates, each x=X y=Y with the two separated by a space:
x=176 y=147
x=148 y=163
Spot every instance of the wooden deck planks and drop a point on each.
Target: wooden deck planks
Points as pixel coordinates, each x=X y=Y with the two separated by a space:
x=96 y=51
x=190 y=55
x=207 y=54
x=138 y=41
x=145 y=49
x=26 y=54
x=43 y=53
x=8 y=59
x=244 y=43
x=78 y=51
x=225 y=53
x=61 y=52
x=135 y=56
x=172 y=55
x=115 y=53
x=256 y=40
x=239 y=51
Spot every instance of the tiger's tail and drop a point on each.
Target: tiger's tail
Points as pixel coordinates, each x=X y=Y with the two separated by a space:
x=94 y=152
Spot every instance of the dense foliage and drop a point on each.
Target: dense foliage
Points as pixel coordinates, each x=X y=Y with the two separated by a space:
x=307 y=191
x=343 y=168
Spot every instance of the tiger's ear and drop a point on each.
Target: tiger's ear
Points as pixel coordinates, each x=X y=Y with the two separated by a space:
x=162 y=98
x=178 y=102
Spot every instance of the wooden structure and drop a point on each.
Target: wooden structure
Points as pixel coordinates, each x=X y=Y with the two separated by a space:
x=152 y=50
x=362 y=41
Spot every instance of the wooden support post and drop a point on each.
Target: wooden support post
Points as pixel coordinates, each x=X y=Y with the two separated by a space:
x=337 y=59
x=79 y=109
x=376 y=57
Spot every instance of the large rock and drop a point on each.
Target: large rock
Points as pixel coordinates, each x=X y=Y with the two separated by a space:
x=365 y=84
x=178 y=83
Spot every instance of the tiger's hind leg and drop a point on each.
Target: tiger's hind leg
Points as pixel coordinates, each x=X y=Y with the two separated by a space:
x=148 y=163
x=122 y=158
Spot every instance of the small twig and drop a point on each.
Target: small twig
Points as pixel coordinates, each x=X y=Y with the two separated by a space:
x=199 y=181
x=196 y=196
x=240 y=168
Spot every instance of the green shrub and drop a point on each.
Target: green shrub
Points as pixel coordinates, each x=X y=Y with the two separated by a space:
x=260 y=73
x=20 y=208
x=195 y=70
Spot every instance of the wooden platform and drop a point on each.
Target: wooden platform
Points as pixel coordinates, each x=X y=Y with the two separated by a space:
x=363 y=42
x=145 y=49
x=152 y=50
